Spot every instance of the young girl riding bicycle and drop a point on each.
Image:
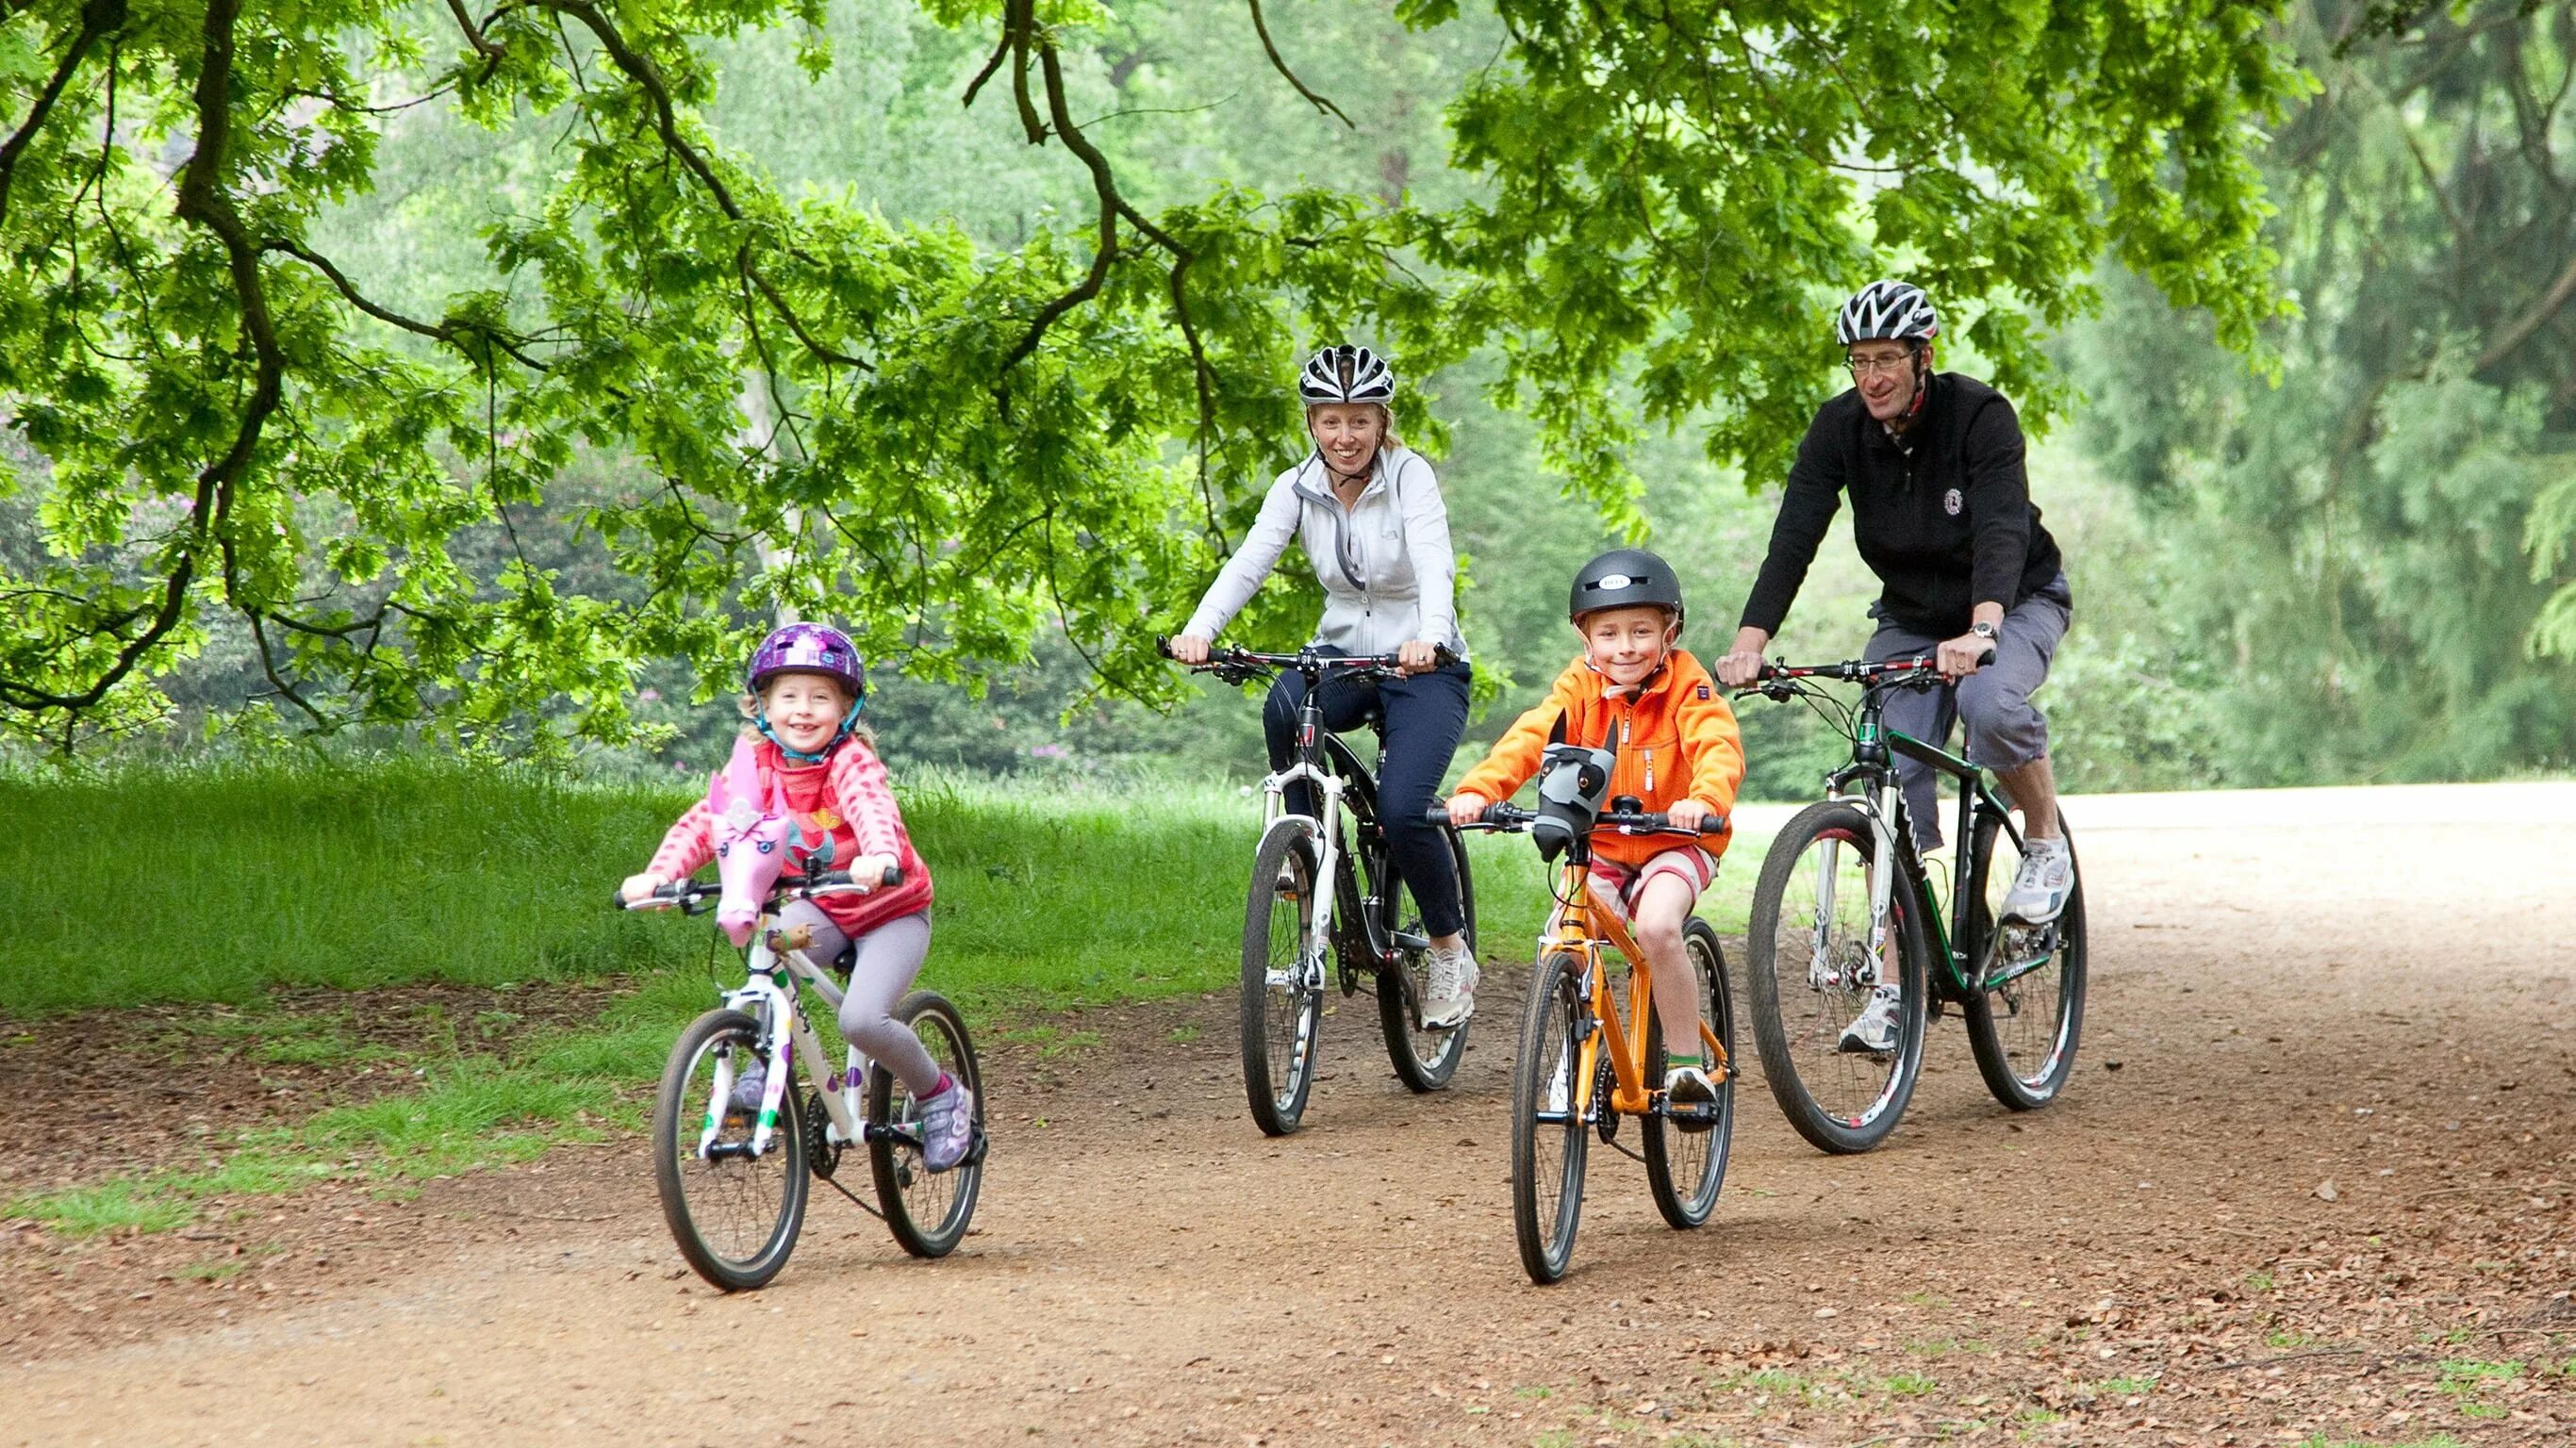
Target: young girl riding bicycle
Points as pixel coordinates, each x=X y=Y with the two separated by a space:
x=1634 y=692
x=806 y=753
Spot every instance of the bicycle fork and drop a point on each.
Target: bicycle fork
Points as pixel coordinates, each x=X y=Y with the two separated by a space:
x=1328 y=857
x=783 y=1029
x=1822 y=972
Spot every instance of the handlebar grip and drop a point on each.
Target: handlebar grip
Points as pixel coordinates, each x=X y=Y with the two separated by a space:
x=1163 y=645
x=1437 y=814
x=831 y=879
x=1987 y=657
x=617 y=899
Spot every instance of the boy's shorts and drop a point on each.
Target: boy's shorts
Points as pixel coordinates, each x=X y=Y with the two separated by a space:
x=1618 y=884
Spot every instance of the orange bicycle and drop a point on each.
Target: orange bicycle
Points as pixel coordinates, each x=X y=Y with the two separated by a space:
x=1583 y=1065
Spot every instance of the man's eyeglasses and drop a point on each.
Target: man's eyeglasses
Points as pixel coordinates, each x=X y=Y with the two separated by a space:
x=1864 y=366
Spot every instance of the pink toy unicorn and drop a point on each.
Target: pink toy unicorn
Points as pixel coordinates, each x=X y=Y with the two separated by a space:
x=755 y=835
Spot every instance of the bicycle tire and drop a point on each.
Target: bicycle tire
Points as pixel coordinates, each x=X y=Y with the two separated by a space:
x=2001 y=1041
x=1700 y=1155
x=928 y=1212
x=1828 y=1129
x=731 y=1249
x=1400 y=986
x=1280 y=1021
x=1554 y=1029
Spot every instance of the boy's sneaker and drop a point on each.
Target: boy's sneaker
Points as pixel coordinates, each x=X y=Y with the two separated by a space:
x=2040 y=888
x=947 y=1124
x=1874 y=1033
x=1688 y=1089
x=1451 y=994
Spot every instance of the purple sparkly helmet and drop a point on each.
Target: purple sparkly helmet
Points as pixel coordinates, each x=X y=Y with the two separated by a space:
x=807 y=648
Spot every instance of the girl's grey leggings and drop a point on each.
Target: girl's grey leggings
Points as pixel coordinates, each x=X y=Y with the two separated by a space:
x=889 y=958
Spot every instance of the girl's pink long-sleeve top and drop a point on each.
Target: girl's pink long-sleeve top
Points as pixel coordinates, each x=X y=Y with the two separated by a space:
x=844 y=799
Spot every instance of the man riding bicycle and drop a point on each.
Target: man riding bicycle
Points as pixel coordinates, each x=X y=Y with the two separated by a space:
x=1941 y=511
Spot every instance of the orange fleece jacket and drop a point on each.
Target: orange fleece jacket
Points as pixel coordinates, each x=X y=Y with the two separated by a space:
x=1676 y=740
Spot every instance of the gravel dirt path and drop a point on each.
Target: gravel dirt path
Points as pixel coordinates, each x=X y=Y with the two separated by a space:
x=2311 y=1184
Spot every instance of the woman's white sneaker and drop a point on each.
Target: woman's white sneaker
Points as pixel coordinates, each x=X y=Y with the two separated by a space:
x=1451 y=994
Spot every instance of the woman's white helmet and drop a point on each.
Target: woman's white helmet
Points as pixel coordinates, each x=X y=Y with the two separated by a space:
x=1346 y=374
x=1886 y=311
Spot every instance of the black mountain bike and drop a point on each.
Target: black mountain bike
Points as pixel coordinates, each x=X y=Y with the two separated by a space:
x=1845 y=904
x=1366 y=924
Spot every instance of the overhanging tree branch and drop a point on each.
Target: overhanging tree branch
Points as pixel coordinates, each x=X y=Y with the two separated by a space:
x=2532 y=321
x=1271 y=48
x=98 y=17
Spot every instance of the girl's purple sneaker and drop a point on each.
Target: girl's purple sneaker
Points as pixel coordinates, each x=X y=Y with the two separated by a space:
x=947 y=1124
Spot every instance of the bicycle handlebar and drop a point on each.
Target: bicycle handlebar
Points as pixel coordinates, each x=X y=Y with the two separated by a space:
x=1509 y=818
x=1221 y=660
x=688 y=896
x=1916 y=672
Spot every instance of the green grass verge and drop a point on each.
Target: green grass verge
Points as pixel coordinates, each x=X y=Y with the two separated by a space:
x=215 y=883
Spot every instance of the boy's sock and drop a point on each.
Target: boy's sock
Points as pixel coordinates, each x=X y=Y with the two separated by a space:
x=1675 y=1060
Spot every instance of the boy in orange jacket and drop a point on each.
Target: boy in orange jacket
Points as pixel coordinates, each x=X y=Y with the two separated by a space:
x=1634 y=692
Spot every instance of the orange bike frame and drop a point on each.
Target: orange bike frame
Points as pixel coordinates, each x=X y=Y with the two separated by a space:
x=1580 y=927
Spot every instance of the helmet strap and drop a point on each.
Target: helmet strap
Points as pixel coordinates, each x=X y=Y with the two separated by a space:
x=849 y=722
x=1672 y=639
x=1336 y=474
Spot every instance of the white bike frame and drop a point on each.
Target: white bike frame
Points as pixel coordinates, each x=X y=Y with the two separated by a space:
x=1275 y=815
x=768 y=996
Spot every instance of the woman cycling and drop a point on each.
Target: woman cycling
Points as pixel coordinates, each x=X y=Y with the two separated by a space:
x=1368 y=513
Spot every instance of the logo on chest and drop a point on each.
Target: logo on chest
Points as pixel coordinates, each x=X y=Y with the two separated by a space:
x=1951 y=502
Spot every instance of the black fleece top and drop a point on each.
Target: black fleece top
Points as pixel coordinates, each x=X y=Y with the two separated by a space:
x=1942 y=513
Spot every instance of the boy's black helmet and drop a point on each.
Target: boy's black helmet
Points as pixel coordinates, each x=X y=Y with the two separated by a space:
x=1625 y=578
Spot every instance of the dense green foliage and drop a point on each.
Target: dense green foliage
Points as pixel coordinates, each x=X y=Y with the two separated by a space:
x=2393 y=522
x=435 y=366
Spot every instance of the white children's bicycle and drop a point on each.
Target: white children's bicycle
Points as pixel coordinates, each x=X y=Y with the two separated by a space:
x=734 y=1180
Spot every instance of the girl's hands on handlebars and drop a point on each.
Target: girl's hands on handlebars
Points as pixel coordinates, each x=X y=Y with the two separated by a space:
x=1417 y=657
x=1466 y=807
x=638 y=887
x=1189 y=649
x=867 y=872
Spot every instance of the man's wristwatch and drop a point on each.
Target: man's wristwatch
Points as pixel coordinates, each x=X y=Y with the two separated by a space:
x=1983 y=630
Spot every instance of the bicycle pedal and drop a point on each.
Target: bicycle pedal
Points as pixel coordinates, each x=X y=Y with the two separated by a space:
x=1692 y=1119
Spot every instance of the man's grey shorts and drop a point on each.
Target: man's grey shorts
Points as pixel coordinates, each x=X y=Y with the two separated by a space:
x=2005 y=729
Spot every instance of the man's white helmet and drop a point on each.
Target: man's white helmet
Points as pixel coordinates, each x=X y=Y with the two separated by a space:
x=1886 y=311
x=1346 y=374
